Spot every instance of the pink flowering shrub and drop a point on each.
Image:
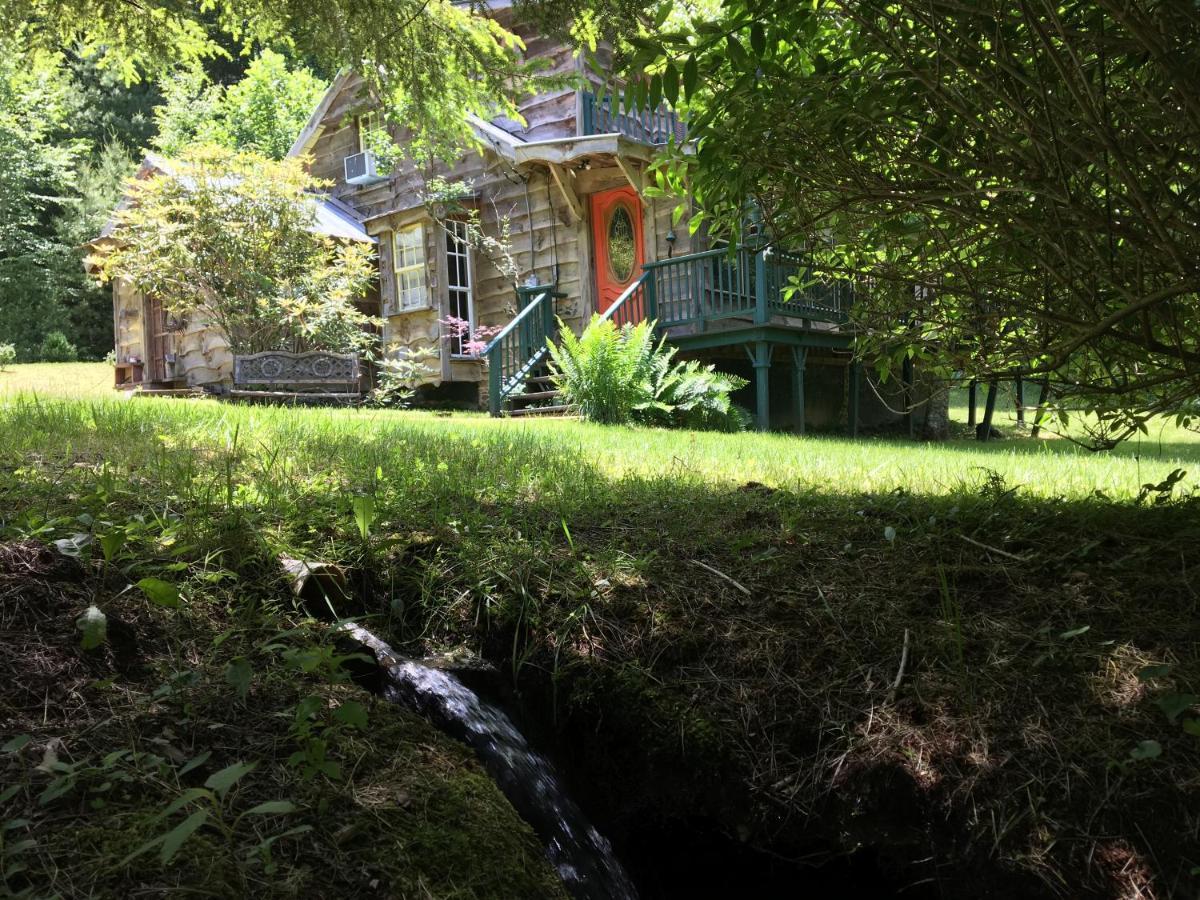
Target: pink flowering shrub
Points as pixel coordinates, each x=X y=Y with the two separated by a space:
x=472 y=342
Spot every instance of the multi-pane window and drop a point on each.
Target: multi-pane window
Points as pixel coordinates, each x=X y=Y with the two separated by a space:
x=460 y=303
x=409 y=256
x=370 y=132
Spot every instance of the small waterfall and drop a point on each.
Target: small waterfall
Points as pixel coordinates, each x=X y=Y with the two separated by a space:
x=582 y=856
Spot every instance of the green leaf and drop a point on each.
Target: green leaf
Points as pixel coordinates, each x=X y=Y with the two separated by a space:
x=1192 y=726
x=183 y=800
x=159 y=592
x=758 y=39
x=239 y=674
x=1146 y=750
x=1147 y=673
x=352 y=713
x=222 y=781
x=1175 y=704
x=93 y=625
x=174 y=838
x=670 y=83
x=195 y=762
x=12 y=745
x=1075 y=632
x=272 y=808
x=111 y=543
x=737 y=53
x=364 y=514
x=691 y=75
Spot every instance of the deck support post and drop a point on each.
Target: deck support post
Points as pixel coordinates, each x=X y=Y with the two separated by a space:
x=799 y=358
x=852 y=400
x=760 y=358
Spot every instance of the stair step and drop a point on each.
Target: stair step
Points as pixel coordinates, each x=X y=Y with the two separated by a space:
x=539 y=411
x=533 y=395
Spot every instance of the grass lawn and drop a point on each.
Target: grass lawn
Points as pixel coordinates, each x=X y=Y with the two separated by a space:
x=961 y=656
x=71 y=380
x=1048 y=466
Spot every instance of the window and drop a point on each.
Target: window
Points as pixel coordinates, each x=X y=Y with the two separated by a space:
x=622 y=249
x=460 y=302
x=370 y=130
x=408 y=250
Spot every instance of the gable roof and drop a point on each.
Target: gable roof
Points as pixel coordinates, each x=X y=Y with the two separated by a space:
x=495 y=137
x=313 y=127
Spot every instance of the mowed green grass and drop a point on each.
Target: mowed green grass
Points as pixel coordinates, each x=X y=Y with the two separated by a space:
x=58 y=380
x=1051 y=465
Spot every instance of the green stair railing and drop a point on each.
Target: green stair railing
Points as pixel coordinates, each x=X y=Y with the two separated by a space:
x=520 y=348
x=636 y=303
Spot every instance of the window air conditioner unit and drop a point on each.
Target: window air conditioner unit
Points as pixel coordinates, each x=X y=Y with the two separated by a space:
x=360 y=168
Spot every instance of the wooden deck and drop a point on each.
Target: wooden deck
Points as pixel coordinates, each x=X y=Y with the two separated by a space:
x=760 y=299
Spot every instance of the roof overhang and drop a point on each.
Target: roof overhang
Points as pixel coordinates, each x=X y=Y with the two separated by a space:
x=569 y=151
x=315 y=125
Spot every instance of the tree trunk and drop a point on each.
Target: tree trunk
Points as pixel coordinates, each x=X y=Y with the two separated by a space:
x=972 y=390
x=1043 y=397
x=983 y=431
x=937 y=413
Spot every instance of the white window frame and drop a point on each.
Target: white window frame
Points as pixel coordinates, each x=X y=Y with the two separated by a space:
x=367 y=122
x=409 y=269
x=458 y=248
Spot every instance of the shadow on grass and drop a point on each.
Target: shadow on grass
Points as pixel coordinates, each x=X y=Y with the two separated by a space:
x=949 y=676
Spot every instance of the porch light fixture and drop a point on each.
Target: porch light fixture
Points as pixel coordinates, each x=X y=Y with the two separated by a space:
x=672 y=237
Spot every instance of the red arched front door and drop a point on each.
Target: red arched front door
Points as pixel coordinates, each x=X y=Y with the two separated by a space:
x=616 y=242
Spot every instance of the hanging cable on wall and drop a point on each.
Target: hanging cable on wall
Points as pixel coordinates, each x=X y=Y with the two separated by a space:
x=553 y=231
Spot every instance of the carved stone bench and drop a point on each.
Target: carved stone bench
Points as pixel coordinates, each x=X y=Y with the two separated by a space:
x=315 y=375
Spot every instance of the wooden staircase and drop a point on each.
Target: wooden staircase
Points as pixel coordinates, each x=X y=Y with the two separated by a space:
x=540 y=398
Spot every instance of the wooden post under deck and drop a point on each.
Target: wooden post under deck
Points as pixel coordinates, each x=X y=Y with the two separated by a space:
x=799 y=358
x=852 y=409
x=761 y=360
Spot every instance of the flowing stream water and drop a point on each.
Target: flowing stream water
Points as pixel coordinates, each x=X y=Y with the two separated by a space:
x=582 y=856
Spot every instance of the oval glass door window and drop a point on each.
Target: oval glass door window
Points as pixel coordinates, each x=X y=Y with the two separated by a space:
x=622 y=253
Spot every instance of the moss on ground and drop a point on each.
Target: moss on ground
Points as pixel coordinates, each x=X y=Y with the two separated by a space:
x=102 y=741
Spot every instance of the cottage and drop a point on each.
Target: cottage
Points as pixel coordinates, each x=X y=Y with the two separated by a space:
x=573 y=233
x=154 y=350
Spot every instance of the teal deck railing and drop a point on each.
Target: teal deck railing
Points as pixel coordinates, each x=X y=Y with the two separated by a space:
x=606 y=114
x=744 y=283
x=520 y=348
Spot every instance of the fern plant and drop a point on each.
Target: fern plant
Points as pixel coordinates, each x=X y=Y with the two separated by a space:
x=621 y=375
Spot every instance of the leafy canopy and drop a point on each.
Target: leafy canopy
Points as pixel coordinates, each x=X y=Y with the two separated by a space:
x=1015 y=185
x=35 y=175
x=427 y=60
x=227 y=238
x=264 y=112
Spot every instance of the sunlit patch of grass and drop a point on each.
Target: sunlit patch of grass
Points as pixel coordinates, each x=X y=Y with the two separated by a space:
x=57 y=380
